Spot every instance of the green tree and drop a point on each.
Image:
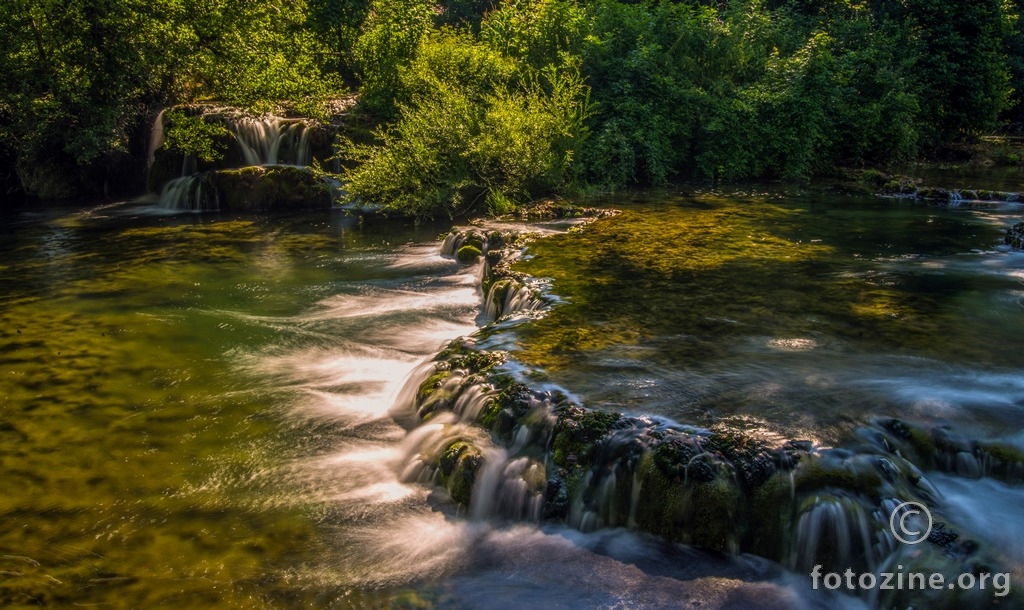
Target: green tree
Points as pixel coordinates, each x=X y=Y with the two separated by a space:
x=960 y=65
x=82 y=78
x=391 y=37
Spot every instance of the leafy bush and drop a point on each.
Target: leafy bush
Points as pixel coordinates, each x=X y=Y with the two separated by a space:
x=476 y=124
x=193 y=136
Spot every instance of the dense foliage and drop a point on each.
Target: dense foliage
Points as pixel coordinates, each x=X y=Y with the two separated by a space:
x=80 y=80
x=493 y=103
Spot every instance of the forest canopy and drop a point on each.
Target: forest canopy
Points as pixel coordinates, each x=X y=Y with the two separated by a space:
x=478 y=103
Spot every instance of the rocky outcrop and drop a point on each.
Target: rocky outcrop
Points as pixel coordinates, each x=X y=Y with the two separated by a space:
x=547 y=458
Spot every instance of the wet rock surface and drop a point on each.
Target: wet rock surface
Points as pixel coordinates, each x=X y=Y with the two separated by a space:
x=1015 y=236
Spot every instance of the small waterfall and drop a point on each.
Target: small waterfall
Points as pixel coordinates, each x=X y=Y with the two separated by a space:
x=451 y=243
x=156 y=138
x=424 y=447
x=188 y=193
x=272 y=140
x=508 y=296
x=471 y=402
x=598 y=512
x=834 y=531
x=508 y=487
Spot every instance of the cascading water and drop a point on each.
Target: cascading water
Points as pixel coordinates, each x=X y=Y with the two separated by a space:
x=157 y=137
x=187 y=193
x=261 y=141
x=710 y=488
x=275 y=457
x=271 y=140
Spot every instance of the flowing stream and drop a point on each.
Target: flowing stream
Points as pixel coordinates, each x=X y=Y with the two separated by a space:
x=207 y=410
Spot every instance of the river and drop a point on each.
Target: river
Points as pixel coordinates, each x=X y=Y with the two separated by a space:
x=196 y=410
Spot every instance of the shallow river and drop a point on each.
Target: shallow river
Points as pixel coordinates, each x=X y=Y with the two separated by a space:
x=195 y=409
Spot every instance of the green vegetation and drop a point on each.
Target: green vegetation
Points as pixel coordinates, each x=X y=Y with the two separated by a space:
x=479 y=104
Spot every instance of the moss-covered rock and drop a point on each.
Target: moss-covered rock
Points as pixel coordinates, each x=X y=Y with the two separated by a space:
x=457 y=469
x=261 y=189
x=468 y=254
x=577 y=434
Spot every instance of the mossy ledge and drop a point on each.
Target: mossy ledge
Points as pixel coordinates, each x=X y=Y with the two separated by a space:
x=519 y=453
x=902 y=187
x=255 y=189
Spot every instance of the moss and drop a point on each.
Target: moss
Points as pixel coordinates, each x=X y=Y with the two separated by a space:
x=770 y=510
x=919 y=442
x=449 y=458
x=661 y=501
x=468 y=254
x=431 y=384
x=927 y=192
x=1007 y=454
x=575 y=480
x=489 y=415
x=815 y=474
x=676 y=459
x=478 y=362
x=577 y=434
x=715 y=507
x=1003 y=462
x=474 y=239
x=752 y=458
x=457 y=467
x=267 y=188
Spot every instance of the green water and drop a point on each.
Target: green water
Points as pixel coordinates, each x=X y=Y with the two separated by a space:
x=134 y=454
x=194 y=409
x=803 y=313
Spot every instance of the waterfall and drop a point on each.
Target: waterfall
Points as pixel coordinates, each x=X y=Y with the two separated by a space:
x=156 y=138
x=451 y=243
x=188 y=193
x=509 y=487
x=271 y=140
x=508 y=297
x=835 y=531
